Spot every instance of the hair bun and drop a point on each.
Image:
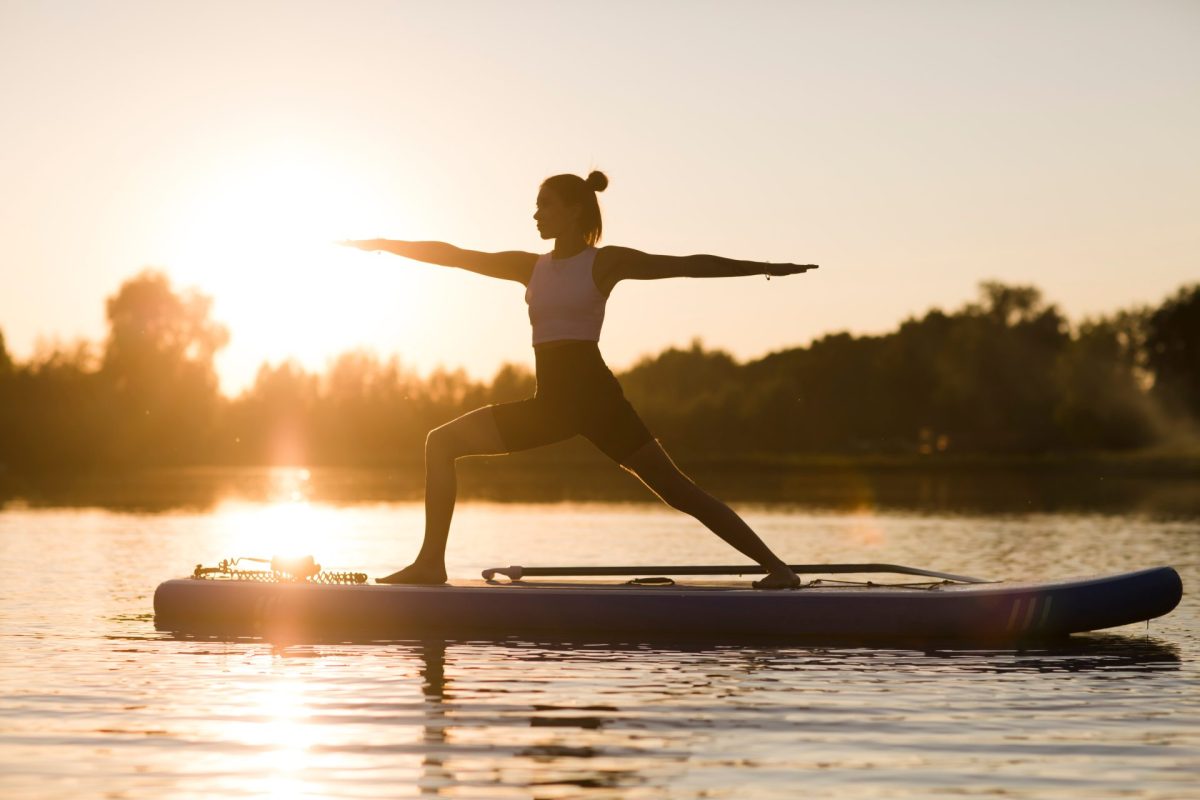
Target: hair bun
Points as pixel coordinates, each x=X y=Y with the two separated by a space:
x=597 y=181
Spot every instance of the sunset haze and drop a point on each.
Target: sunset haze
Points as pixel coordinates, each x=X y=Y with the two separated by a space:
x=910 y=149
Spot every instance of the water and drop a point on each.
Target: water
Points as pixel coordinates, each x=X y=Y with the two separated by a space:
x=95 y=702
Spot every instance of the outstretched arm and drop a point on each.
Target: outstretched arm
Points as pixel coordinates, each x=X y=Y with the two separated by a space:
x=513 y=265
x=618 y=263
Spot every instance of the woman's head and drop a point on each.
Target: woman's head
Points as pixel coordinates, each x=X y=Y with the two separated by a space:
x=568 y=201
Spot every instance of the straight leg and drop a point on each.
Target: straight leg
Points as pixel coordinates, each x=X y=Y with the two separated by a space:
x=658 y=472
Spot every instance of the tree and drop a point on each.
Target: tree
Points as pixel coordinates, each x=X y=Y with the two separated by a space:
x=1102 y=399
x=49 y=408
x=1173 y=351
x=365 y=413
x=158 y=366
x=511 y=382
x=1002 y=363
x=6 y=362
x=272 y=422
x=689 y=398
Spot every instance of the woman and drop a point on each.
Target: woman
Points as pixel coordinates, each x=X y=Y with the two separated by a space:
x=576 y=393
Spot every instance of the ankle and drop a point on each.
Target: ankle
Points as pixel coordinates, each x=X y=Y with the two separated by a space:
x=424 y=559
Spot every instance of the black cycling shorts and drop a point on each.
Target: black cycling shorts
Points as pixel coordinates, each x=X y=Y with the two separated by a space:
x=576 y=394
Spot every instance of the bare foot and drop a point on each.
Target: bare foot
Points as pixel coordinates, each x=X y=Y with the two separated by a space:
x=417 y=573
x=782 y=578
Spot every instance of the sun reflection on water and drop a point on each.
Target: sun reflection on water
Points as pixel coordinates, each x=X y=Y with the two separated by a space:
x=304 y=733
x=288 y=733
x=289 y=524
x=864 y=528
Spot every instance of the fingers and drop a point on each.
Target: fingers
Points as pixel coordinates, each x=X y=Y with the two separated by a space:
x=789 y=269
x=361 y=244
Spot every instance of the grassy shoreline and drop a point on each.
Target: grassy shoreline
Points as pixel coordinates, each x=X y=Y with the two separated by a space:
x=1147 y=463
x=1182 y=463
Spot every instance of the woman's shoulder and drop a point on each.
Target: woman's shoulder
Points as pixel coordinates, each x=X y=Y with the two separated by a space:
x=608 y=265
x=611 y=255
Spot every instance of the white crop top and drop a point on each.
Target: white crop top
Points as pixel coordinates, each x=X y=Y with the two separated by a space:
x=564 y=302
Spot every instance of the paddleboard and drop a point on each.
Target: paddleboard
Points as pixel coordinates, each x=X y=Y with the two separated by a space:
x=692 y=609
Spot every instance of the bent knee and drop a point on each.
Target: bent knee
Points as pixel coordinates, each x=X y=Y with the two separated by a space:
x=441 y=443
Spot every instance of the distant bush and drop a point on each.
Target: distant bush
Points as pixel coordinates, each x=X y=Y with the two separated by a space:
x=1004 y=374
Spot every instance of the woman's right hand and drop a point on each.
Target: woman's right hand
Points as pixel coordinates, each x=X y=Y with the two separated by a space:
x=367 y=245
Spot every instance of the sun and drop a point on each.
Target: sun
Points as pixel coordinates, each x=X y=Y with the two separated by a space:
x=259 y=236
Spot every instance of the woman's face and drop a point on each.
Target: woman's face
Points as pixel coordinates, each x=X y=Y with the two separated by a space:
x=554 y=218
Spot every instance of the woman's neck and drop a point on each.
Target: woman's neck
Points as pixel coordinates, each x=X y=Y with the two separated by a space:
x=568 y=246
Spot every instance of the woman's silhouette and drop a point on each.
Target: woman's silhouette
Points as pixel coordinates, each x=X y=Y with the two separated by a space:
x=576 y=393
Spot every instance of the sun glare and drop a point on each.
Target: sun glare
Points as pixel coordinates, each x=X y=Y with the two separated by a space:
x=288 y=525
x=260 y=238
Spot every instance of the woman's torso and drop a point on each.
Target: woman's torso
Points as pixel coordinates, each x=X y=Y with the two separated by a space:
x=564 y=303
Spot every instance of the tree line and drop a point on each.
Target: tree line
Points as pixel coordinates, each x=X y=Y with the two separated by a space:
x=1005 y=374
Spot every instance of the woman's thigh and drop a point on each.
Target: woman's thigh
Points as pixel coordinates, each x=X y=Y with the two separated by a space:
x=473 y=434
x=535 y=422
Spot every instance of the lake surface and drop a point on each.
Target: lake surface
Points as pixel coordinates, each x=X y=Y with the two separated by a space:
x=94 y=702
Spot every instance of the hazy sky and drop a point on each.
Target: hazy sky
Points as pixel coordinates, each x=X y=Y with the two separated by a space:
x=911 y=149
